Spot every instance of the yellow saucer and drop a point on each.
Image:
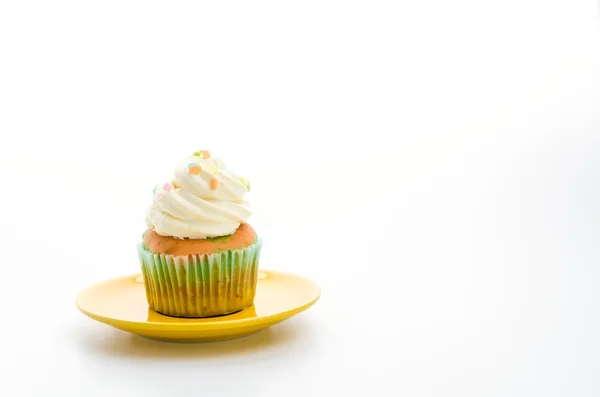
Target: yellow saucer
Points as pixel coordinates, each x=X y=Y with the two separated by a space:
x=121 y=303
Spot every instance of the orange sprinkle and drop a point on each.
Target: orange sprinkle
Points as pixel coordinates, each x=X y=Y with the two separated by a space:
x=205 y=154
x=214 y=183
x=195 y=169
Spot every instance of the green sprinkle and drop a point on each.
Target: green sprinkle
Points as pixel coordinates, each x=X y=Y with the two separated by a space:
x=197 y=154
x=245 y=182
x=220 y=239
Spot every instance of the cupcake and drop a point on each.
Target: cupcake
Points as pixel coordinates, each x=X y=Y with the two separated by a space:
x=199 y=257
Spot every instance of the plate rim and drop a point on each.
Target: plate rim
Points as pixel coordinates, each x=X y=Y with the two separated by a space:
x=223 y=324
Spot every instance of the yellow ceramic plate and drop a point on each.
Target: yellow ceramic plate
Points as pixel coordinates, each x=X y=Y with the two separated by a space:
x=121 y=303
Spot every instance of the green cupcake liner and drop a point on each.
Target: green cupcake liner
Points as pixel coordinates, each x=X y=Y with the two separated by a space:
x=200 y=285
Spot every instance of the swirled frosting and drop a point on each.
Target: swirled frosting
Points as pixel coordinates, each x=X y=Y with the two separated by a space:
x=202 y=200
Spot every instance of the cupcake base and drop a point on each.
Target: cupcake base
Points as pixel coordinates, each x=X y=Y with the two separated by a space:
x=205 y=285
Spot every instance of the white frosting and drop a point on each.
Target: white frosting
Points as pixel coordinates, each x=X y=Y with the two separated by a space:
x=193 y=206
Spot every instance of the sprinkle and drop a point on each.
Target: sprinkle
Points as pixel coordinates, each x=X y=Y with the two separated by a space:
x=245 y=182
x=167 y=187
x=213 y=169
x=214 y=183
x=194 y=168
x=154 y=190
x=204 y=154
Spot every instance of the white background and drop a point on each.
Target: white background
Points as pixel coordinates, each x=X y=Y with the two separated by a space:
x=433 y=165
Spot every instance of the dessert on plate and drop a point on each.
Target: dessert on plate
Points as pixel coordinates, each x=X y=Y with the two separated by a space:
x=199 y=256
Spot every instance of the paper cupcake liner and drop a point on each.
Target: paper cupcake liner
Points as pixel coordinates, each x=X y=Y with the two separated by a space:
x=200 y=285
